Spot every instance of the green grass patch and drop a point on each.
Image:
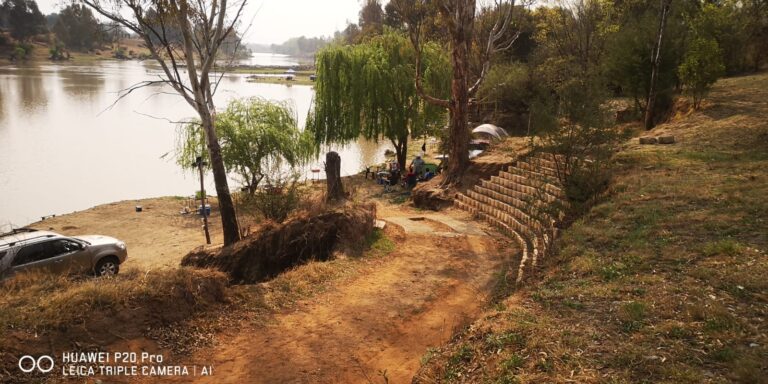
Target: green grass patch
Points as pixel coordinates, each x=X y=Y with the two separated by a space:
x=632 y=315
x=508 y=339
x=727 y=247
x=512 y=363
x=379 y=244
x=456 y=361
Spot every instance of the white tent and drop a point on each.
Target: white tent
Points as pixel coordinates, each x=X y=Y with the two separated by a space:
x=497 y=133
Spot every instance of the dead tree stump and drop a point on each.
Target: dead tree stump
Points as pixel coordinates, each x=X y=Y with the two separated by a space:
x=333 y=177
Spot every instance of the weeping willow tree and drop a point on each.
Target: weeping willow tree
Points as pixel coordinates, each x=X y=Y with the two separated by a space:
x=260 y=139
x=367 y=90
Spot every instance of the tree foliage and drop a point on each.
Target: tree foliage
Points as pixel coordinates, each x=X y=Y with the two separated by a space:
x=77 y=27
x=702 y=66
x=23 y=18
x=367 y=90
x=458 y=21
x=371 y=18
x=260 y=140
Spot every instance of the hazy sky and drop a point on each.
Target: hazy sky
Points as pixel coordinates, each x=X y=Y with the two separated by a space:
x=275 y=21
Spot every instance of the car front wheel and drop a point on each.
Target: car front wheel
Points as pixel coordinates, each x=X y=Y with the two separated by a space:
x=107 y=266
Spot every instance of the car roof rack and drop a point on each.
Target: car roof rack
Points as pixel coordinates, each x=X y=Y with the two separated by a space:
x=16 y=231
x=7 y=243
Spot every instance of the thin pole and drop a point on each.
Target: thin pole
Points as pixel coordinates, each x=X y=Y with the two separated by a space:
x=202 y=203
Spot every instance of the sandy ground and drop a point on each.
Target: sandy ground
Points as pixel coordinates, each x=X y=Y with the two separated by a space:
x=157 y=237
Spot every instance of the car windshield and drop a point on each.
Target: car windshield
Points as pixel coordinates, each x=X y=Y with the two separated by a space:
x=81 y=240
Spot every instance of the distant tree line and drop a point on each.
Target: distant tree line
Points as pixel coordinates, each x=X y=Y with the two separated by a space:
x=296 y=46
x=76 y=27
x=73 y=28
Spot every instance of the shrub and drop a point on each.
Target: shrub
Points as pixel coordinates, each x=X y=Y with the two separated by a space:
x=702 y=66
x=21 y=51
x=57 y=51
x=119 y=53
x=276 y=201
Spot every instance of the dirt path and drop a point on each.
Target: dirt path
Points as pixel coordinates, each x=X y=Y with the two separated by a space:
x=385 y=319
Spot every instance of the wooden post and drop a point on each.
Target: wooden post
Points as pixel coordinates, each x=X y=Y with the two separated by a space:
x=333 y=177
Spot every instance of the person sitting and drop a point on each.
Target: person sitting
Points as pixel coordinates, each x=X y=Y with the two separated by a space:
x=428 y=175
x=394 y=178
x=382 y=177
x=410 y=178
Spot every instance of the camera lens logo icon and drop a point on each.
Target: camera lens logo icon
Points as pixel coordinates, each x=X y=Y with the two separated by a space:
x=44 y=364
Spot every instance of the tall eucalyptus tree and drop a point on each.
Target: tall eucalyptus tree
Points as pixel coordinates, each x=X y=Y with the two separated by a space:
x=184 y=37
x=458 y=20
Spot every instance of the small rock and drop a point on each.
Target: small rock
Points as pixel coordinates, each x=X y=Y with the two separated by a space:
x=648 y=140
x=754 y=345
x=666 y=139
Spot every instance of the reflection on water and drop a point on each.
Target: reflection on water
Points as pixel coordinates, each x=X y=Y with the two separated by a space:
x=64 y=146
x=31 y=89
x=83 y=84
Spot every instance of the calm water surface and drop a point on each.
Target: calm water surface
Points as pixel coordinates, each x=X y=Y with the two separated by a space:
x=63 y=148
x=258 y=58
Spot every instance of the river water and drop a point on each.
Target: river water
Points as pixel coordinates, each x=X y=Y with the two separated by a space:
x=65 y=145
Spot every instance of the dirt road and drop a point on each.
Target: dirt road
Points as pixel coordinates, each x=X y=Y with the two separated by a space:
x=378 y=324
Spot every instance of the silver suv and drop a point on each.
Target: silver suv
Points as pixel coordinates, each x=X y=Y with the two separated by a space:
x=29 y=249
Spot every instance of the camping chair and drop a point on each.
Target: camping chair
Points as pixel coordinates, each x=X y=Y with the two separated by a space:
x=391 y=182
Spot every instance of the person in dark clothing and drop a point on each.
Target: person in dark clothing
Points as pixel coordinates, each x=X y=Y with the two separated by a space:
x=394 y=178
x=410 y=178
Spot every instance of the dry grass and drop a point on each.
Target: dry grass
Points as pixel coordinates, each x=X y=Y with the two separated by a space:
x=40 y=301
x=663 y=282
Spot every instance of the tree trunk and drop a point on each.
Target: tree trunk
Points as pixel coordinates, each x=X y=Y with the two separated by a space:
x=401 y=151
x=458 y=160
x=333 y=177
x=650 y=106
x=229 y=223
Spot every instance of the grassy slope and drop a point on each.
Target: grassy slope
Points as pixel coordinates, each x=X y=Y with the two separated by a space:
x=664 y=281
